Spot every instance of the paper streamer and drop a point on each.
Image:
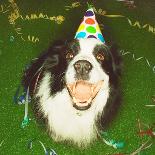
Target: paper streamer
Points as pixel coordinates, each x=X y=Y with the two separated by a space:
x=47 y=151
x=58 y=19
x=4 y=9
x=73 y=5
x=15 y=14
x=147 y=62
x=30 y=38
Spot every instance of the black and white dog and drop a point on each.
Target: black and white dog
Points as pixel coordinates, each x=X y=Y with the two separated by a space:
x=75 y=87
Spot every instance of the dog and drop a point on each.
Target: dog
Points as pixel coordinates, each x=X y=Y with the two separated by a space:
x=75 y=89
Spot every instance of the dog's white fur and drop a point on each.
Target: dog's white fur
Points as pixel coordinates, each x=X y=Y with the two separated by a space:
x=64 y=121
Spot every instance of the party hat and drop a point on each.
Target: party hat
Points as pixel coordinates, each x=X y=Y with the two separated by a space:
x=89 y=28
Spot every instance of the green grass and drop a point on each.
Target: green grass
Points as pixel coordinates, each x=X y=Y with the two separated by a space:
x=138 y=81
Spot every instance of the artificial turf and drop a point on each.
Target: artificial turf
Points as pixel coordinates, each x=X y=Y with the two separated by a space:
x=138 y=78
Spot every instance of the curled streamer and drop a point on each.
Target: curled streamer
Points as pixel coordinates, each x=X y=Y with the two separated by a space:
x=58 y=19
x=15 y=14
x=140 y=26
x=73 y=5
x=30 y=38
x=4 y=8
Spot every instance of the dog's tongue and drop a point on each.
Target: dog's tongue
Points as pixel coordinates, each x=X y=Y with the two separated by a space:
x=83 y=91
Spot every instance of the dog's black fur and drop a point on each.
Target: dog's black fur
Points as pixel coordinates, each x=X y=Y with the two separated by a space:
x=54 y=60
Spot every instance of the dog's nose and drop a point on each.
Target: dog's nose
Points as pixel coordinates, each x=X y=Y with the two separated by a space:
x=83 y=67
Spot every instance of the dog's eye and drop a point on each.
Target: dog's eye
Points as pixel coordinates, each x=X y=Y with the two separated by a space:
x=100 y=57
x=69 y=55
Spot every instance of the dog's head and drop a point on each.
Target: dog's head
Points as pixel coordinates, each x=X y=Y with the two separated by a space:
x=84 y=67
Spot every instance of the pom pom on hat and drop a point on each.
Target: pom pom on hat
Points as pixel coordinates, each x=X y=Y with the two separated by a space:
x=89 y=28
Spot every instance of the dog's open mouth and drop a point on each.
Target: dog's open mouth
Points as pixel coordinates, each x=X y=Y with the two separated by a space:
x=83 y=92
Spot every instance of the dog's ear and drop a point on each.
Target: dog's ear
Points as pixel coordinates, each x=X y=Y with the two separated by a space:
x=45 y=61
x=55 y=55
x=117 y=60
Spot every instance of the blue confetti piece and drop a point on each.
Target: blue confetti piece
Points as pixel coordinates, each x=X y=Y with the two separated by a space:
x=21 y=99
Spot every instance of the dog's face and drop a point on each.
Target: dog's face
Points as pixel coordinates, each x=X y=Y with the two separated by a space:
x=85 y=75
x=88 y=66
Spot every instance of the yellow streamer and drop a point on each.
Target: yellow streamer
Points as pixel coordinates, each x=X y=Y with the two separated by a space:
x=4 y=8
x=138 y=25
x=58 y=19
x=73 y=5
x=30 y=38
x=15 y=14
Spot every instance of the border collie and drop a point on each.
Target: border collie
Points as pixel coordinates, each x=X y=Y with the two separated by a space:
x=75 y=89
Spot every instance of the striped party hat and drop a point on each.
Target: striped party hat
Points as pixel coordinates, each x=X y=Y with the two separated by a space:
x=89 y=27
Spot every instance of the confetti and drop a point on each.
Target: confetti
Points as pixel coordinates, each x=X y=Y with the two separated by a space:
x=73 y=5
x=30 y=38
x=15 y=14
x=111 y=142
x=21 y=99
x=58 y=19
x=4 y=9
x=148 y=132
x=47 y=151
